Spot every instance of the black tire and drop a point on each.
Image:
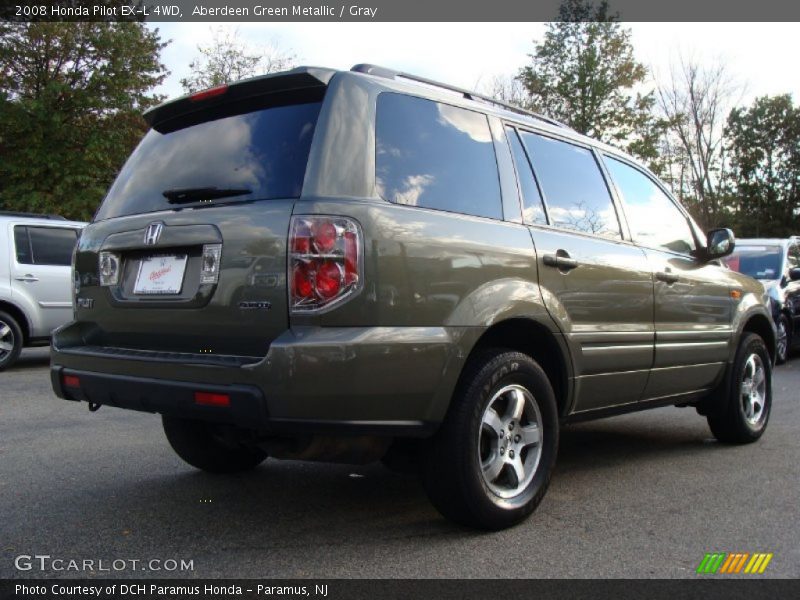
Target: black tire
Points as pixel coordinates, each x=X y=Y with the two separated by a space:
x=736 y=419
x=206 y=447
x=11 y=339
x=452 y=474
x=784 y=345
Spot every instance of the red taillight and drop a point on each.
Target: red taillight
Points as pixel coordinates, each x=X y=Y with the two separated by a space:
x=211 y=399
x=324 y=261
x=72 y=381
x=209 y=93
x=324 y=236
x=303 y=284
x=329 y=279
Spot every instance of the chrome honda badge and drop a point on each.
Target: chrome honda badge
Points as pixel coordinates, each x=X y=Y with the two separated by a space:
x=152 y=233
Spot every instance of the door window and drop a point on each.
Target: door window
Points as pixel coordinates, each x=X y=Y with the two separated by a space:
x=574 y=190
x=44 y=245
x=654 y=219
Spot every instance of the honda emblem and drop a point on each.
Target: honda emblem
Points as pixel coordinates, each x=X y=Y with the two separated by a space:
x=152 y=233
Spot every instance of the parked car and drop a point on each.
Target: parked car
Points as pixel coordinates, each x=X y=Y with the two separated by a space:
x=35 y=279
x=345 y=266
x=775 y=263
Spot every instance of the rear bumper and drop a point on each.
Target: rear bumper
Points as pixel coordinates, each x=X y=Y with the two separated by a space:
x=361 y=381
x=247 y=407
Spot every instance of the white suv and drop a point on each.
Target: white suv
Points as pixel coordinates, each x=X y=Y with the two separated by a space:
x=35 y=279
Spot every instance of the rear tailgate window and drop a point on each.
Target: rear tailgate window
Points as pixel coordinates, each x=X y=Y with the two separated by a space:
x=263 y=152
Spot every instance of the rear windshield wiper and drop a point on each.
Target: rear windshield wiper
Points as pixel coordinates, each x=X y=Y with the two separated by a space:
x=204 y=193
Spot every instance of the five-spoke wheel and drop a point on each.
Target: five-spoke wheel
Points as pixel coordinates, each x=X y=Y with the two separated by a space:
x=510 y=441
x=754 y=389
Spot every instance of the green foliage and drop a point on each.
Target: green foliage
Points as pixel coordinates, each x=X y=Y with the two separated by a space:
x=72 y=95
x=584 y=73
x=764 y=146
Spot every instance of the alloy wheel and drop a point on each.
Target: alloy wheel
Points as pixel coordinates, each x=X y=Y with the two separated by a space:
x=6 y=339
x=510 y=441
x=753 y=390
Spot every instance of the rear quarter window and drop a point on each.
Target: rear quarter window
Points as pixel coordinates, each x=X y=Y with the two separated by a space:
x=434 y=155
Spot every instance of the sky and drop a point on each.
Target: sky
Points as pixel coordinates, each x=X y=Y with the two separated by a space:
x=762 y=57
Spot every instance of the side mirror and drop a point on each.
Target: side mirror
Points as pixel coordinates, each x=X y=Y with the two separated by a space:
x=794 y=273
x=719 y=243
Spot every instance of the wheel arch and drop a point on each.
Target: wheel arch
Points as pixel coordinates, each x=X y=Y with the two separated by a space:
x=761 y=325
x=536 y=340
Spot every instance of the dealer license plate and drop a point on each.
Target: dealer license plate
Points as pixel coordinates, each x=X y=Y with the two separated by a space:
x=161 y=274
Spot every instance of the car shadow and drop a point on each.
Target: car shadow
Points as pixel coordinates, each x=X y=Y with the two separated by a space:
x=31 y=358
x=291 y=505
x=610 y=443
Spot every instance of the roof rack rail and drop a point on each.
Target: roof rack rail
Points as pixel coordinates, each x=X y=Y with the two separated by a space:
x=9 y=213
x=379 y=71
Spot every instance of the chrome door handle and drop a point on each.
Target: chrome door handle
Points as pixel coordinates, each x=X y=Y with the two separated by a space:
x=560 y=260
x=667 y=277
x=27 y=278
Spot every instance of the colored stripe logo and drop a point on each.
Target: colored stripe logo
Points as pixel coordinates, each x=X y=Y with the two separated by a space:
x=728 y=563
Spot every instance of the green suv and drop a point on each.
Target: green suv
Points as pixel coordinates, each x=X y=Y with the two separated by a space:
x=367 y=265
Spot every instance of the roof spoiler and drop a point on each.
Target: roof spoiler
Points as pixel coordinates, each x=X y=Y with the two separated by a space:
x=296 y=80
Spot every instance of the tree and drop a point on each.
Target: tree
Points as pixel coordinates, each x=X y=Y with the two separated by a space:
x=226 y=59
x=693 y=103
x=508 y=88
x=71 y=96
x=584 y=74
x=764 y=147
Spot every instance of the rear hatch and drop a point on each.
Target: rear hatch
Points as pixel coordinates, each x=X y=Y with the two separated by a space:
x=187 y=253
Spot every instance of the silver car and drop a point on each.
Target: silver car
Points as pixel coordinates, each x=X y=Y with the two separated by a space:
x=35 y=279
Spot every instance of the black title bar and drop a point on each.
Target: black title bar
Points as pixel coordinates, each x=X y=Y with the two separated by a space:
x=711 y=588
x=385 y=10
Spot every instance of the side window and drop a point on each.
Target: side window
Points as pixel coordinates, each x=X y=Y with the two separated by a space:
x=574 y=190
x=654 y=219
x=22 y=245
x=436 y=156
x=52 y=245
x=532 y=208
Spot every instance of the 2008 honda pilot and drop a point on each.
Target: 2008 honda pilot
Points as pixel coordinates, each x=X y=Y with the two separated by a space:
x=364 y=265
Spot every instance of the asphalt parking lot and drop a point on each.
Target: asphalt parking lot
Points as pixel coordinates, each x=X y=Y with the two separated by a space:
x=643 y=495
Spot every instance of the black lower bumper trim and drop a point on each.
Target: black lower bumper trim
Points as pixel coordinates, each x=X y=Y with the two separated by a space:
x=247 y=407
